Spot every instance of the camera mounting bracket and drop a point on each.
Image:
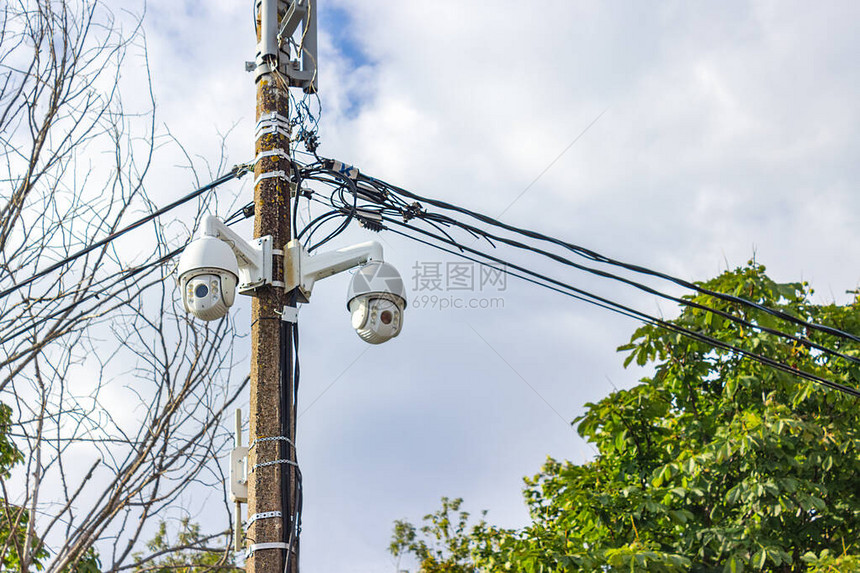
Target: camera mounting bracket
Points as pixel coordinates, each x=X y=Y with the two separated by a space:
x=254 y=257
x=302 y=270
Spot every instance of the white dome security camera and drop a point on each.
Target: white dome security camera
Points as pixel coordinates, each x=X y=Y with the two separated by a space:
x=377 y=300
x=208 y=273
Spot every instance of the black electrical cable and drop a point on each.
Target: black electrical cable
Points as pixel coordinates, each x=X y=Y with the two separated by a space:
x=314 y=224
x=633 y=313
x=481 y=233
x=289 y=392
x=583 y=252
x=125 y=275
x=503 y=269
x=243 y=213
x=415 y=211
x=235 y=173
x=105 y=291
x=296 y=526
x=653 y=291
x=595 y=256
x=297 y=181
x=353 y=189
x=284 y=391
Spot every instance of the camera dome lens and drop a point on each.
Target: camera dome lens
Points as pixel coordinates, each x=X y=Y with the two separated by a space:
x=201 y=291
x=386 y=317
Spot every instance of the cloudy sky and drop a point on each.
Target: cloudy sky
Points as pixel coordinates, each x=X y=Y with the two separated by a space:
x=718 y=132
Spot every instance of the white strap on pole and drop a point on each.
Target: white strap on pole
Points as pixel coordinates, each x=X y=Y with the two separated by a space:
x=271 y=175
x=259 y=546
x=273 y=117
x=272 y=153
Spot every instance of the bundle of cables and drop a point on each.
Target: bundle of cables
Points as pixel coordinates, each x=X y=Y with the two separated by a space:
x=349 y=195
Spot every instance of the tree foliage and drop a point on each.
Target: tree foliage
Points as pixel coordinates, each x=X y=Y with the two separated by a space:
x=189 y=552
x=714 y=463
x=441 y=545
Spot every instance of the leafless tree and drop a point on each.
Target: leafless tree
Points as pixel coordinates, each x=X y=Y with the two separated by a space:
x=115 y=399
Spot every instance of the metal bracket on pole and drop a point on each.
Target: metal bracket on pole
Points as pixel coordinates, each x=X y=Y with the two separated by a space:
x=284 y=23
x=239 y=474
x=254 y=257
x=238 y=480
x=290 y=314
x=302 y=271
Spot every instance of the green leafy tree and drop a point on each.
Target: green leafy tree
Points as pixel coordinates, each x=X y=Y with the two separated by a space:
x=715 y=463
x=441 y=545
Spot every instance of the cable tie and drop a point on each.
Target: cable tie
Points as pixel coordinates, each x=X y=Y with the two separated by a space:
x=259 y=546
x=271 y=439
x=263 y=515
x=271 y=175
x=273 y=463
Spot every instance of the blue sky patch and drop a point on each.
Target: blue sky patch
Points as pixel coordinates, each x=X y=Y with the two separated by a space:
x=338 y=23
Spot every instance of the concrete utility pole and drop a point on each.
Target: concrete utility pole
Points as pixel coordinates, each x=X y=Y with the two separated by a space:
x=272 y=477
x=271 y=217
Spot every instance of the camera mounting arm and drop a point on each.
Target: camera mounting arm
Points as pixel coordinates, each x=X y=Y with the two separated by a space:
x=254 y=257
x=302 y=270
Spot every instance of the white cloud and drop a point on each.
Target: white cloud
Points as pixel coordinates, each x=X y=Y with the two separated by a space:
x=729 y=129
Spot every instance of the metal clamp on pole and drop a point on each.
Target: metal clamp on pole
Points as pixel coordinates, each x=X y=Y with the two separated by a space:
x=263 y=515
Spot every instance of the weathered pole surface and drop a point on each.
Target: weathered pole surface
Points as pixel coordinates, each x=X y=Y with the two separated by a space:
x=272 y=210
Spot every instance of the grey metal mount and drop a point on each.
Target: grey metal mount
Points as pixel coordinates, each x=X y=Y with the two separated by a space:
x=280 y=22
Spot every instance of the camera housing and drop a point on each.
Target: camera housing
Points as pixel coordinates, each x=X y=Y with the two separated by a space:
x=377 y=301
x=212 y=266
x=208 y=274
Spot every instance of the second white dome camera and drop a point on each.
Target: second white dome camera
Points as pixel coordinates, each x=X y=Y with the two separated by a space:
x=377 y=300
